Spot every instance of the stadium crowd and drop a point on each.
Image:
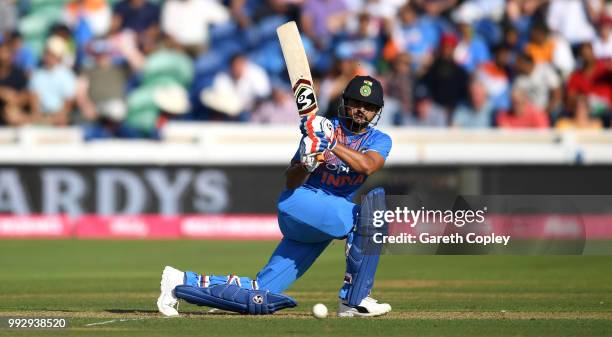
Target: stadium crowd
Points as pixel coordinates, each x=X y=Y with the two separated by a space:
x=122 y=68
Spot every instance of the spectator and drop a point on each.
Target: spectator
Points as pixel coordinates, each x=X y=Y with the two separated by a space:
x=100 y=87
x=400 y=85
x=416 y=37
x=553 y=50
x=523 y=114
x=426 y=113
x=280 y=109
x=570 y=18
x=69 y=47
x=321 y=19
x=14 y=97
x=362 y=45
x=495 y=79
x=191 y=30
x=140 y=16
x=477 y=112
x=248 y=80
x=593 y=81
x=23 y=56
x=446 y=80
x=603 y=42
x=580 y=118
x=472 y=49
x=334 y=83
x=436 y=7
x=96 y=14
x=8 y=16
x=540 y=83
x=54 y=86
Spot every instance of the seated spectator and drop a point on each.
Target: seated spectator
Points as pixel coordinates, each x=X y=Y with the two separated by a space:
x=523 y=114
x=472 y=50
x=96 y=13
x=139 y=16
x=426 y=112
x=279 y=109
x=603 y=42
x=69 y=46
x=333 y=85
x=570 y=18
x=191 y=30
x=54 y=86
x=478 y=112
x=436 y=7
x=546 y=48
x=416 y=37
x=580 y=117
x=23 y=56
x=541 y=84
x=399 y=85
x=14 y=96
x=248 y=80
x=446 y=80
x=100 y=85
x=593 y=81
x=494 y=75
x=321 y=19
x=362 y=45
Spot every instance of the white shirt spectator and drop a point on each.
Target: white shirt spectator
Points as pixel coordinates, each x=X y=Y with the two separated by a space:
x=570 y=19
x=187 y=21
x=53 y=87
x=563 y=58
x=538 y=84
x=254 y=84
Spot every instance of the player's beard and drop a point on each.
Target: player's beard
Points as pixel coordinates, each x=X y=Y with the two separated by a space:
x=357 y=122
x=356 y=125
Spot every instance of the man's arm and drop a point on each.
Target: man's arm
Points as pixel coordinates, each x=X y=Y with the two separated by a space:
x=296 y=175
x=365 y=163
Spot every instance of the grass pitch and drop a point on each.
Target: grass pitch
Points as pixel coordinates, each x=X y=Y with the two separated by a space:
x=109 y=288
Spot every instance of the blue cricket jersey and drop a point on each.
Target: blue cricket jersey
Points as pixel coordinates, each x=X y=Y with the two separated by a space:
x=336 y=177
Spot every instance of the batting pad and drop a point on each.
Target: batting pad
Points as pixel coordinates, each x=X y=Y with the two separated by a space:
x=363 y=254
x=232 y=297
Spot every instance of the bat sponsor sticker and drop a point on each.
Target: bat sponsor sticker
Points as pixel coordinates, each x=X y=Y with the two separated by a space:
x=305 y=97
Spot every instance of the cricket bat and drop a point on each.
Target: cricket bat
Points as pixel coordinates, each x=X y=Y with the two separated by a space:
x=299 y=70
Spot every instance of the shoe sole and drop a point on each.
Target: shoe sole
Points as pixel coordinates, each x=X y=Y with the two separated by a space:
x=359 y=314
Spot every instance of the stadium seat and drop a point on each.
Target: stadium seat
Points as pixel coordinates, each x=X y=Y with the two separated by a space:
x=142 y=112
x=166 y=63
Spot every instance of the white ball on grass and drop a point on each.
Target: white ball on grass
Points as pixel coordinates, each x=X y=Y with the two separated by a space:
x=319 y=310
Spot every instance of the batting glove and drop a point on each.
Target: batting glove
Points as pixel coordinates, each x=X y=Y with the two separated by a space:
x=317 y=126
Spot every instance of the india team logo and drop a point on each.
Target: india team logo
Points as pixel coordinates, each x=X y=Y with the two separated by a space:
x=305 y=96
x=365 y=91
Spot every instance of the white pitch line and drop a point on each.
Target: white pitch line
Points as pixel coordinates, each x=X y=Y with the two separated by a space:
x=117 y=320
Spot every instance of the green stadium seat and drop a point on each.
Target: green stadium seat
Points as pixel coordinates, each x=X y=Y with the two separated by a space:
x=142 y=112
x=168 y=64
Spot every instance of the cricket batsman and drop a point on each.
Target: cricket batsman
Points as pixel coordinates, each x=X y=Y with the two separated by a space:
x=314 y=209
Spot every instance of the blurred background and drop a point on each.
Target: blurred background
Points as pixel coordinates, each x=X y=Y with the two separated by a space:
x=127 y=118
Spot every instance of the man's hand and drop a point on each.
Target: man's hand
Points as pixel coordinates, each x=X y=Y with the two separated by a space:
x=318 y=135
x=317 y=126
x=310 y=162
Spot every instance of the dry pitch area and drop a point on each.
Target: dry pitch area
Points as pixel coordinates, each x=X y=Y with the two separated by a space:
x=108 y=288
